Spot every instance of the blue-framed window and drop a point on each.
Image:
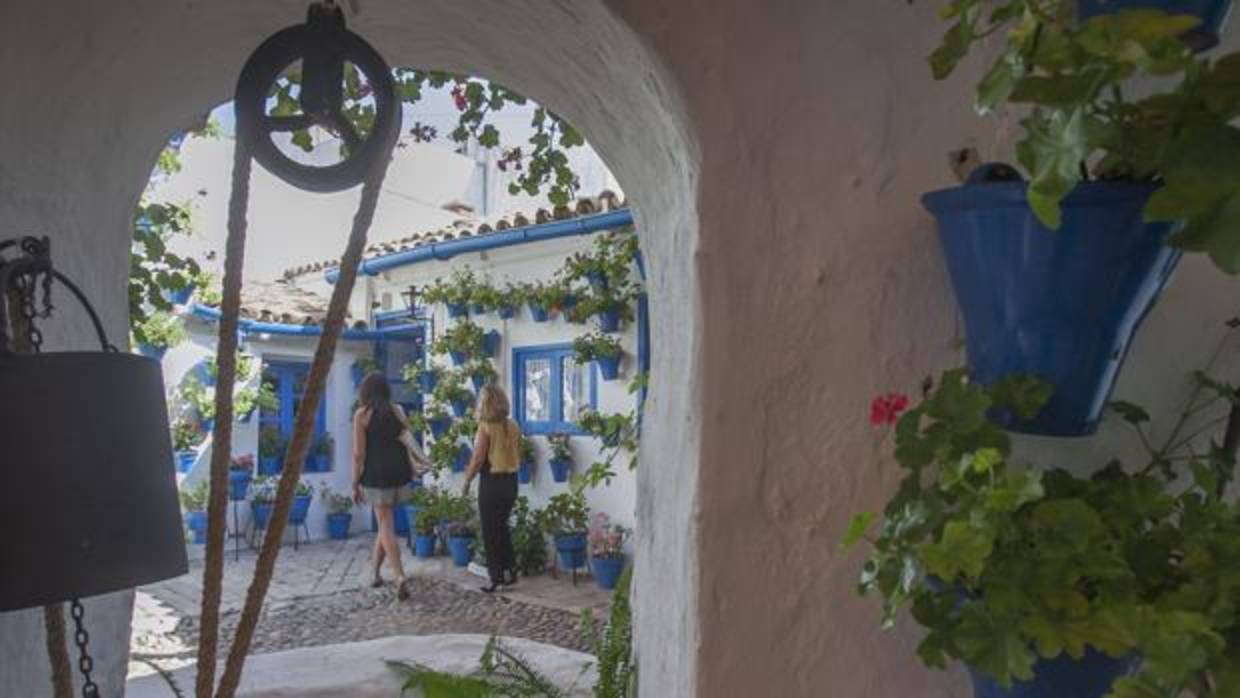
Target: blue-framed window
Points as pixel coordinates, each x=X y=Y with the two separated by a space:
x=405 y=347
x=550 y=389
x=288 y=381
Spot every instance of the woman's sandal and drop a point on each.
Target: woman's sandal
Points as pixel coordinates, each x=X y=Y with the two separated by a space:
x=402 y=590
x=491 y=589
x=376 y=582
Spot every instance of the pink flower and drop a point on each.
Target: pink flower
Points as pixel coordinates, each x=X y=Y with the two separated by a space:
x=458 y=97
x=886 y=409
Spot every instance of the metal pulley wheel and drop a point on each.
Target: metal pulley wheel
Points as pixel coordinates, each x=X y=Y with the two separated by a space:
x=324 y=46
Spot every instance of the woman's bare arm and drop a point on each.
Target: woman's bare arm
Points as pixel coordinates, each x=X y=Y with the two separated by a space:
x=359 y=446
x=482 y=443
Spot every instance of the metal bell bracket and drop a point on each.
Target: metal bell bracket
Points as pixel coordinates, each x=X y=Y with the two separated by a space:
x=25 y=275
x=323 y=45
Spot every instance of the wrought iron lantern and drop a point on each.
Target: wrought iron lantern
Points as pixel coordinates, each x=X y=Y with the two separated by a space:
x=410 y=297
x=85 y=439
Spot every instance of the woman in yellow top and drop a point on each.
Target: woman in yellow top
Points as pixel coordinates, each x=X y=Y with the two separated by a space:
x=495 y=457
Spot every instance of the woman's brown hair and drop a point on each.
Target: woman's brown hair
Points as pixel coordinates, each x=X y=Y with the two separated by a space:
x=492 y=404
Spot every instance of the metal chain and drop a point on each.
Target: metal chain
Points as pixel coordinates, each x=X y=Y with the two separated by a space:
x=26 y=293
x=80 y=638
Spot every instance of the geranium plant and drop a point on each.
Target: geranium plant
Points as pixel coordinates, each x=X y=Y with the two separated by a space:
x=607 y=538
x=337 y=502
x=195 y=498
x=160 y=329
x=185 y=435
x=566 y=514
x=561 y=446
x=1004 y=563
x=244 y=463
x=1090 y=119
x=596 y=345
x=464 y=338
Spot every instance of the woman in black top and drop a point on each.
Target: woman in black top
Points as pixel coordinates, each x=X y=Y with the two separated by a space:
x=382 y=468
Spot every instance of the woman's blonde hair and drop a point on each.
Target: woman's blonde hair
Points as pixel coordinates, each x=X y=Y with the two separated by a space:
x=492 y=404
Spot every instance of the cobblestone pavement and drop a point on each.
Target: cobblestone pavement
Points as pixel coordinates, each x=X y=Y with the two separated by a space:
x=320 y=595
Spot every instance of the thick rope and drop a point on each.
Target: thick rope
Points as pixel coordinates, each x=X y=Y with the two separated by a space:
x=58 y=650
x=221 y=443
x=303 y=430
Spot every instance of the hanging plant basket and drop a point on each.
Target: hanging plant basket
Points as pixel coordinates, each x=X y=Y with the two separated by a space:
x=186 y=460
x=439 y=426
x=152 y=352
x=1212 y=13
x=461 y=407
x=491 y=343
x=597 y=279
x=560 y=469
x=196 y=522
x=180 y=297
x=427 y=381
x=358 y=373
x=1062 y=306
x=507 y=312
x=462 y=459
x=458 y=357
x=477 y=309
x=478 y=382
x=1091 y=676
x=538 y=313
x=609 y=320
x=204 y=374
x=608 y=367
x=458 y=310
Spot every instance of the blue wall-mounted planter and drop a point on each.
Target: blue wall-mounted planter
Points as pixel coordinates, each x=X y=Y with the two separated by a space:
x=597 y=279
x=358 y=373
x=152 y=352
x=1089 y=677
x=269 y=465
x=238 y=484
x=507 y=312
x=458 y=357
x=462 y=548
x=427 y=381
x=609 y=321
x=461 y=407
x=608 y=367
x=439 y=426
x=203 y=373
x=208 y=424
x=462 y=459
x=538 y=313
x=478 y=382
x=180 y=297
x=1060 y=305
x=185 y=460
x=572 y=550
x=456 y=310
x=1212 y=13
x=338 y=525
x=525 y=473
x=490 y=343
x=560 y=468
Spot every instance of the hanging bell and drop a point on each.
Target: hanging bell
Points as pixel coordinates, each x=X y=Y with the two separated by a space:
x=92 y=505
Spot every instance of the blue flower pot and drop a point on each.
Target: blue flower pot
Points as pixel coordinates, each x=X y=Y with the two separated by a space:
x=269 y=465
x=338 y=525
x=525 y=473
x=609 y=321
x=410 y=512
x=186 y=460
x=180 y=297
x=427 y=381
x=424 y=545
x=1212 y=13
x=568 y=302
x=238 y=484
x=301 y=507
x=202 y=371
x=208 y=424
x=1061 y=305
x=456 y=310
x=507 y=312
x=458 y=357
x=477 y=309
x=152 y=352
x=597 y=279
x=571 y=550
x=560 y=469
x=538 y=313
x=439 y=426
x=462 y=459
x=461 y=407
x=462 y=548
x=606 y=571
x=318 y=463
x=478 y=381
x=1090 y=676
x=261 y=512
x=490 y=343
x=358 y=373
x=608 y=367
x=196 y=522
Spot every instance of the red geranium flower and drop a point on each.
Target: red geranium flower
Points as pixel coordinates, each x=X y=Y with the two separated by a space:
x=458 y=96
x=885 y=409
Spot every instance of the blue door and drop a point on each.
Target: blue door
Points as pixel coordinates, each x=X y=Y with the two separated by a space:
x=287 y=380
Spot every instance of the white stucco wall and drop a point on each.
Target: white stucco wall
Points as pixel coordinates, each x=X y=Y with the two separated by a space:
x=526 y=263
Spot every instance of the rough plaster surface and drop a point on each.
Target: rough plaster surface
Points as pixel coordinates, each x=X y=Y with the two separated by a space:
x=101 y=87
x=358 y=669
x=796 y=136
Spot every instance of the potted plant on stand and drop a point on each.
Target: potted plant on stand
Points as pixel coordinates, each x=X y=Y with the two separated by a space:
x=1054 y=275
x=529 y=542
x=194 y=502
x=185 y=440
x=321 y=453
x=303 y=496
x=271 y=448
x=606 y=550
x=561 y=456
x=339 y=513
x=262 y=498
x=461 y=542
x=424 y=536
x=602 y=349
x=1049 y=583
x=240 y=472
x=566 y=519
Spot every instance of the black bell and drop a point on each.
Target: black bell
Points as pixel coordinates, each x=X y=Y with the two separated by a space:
x=91 y=498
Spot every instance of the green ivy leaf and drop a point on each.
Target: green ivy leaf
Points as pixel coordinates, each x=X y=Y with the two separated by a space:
x=1053 y=149
x=857 y=528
